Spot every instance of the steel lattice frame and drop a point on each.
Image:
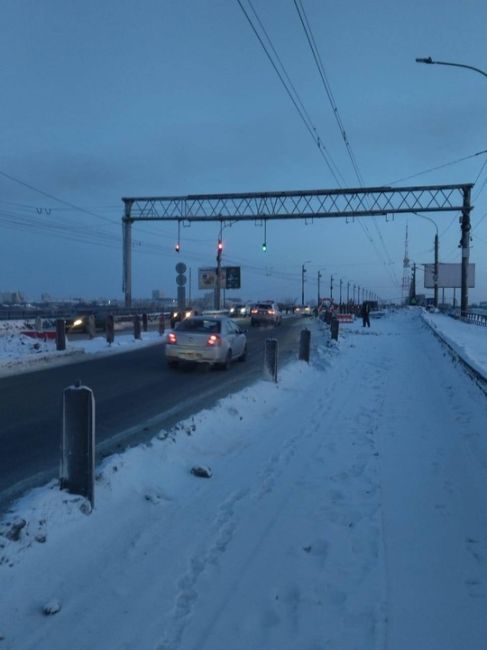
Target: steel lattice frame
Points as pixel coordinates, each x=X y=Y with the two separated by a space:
x=296 y=205
x=307 y=204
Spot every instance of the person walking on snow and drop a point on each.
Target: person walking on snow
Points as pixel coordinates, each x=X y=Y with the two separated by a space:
x=364 y=312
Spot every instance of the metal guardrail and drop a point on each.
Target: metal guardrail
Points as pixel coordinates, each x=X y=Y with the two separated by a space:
x=476 y=319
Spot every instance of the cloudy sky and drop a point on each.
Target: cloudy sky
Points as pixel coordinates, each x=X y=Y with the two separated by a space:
x=102 y=100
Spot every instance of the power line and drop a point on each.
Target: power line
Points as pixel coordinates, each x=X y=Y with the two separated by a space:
x=309 y=126
x=433 y=169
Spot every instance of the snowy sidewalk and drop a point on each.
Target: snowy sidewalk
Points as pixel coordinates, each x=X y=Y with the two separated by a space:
x=347 y=511
x=468 y=340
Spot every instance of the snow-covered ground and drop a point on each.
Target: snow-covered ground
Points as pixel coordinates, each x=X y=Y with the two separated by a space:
x=21 y=353
x=346 y=509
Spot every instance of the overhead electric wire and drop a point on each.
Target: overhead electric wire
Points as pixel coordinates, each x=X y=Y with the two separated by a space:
x=326 y=85
x=433 y=169
x=310 y=128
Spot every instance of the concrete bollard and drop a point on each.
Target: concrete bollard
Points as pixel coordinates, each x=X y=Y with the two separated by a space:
x=270 y=359
x=77 y=472
x=304 y=345
x=110 y=329
x=334 y=327
x=60 y=334
x=145 y=321
x=137 y=327
x=162 y=324
x=91 y=326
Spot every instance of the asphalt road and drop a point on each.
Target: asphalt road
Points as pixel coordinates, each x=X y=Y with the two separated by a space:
x=136 y=395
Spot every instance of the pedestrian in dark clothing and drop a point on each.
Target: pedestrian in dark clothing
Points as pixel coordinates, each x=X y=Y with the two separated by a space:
x=364 y=312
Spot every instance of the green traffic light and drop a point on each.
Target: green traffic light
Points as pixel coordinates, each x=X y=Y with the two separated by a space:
x=264 y=247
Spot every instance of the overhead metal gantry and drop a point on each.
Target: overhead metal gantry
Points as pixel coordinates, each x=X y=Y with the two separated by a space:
x=306 y=204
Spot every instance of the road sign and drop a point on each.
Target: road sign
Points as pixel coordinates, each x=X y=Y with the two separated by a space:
x=181 y=267
x=232 y=276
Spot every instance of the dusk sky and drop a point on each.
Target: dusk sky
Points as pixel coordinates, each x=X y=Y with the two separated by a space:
x=109 y=98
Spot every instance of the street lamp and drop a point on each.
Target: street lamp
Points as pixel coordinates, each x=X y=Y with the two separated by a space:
x=436 y=271
x=303 y=271
x=429 y=60
x=465 y=218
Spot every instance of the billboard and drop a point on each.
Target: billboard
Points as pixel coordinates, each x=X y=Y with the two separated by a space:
x=207 y=278
x=229 y=277
x=449 y=276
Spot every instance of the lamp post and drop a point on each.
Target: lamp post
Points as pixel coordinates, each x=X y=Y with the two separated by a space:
x=429 y=60
x=303 y=271
x=436 y=268
x=465 y=218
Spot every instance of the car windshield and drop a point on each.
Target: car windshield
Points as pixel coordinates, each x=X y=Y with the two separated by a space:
x=203 y=325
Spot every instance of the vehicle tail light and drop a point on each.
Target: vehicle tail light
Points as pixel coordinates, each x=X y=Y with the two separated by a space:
x=254 y=311
x=214 y=339
x=171 y=338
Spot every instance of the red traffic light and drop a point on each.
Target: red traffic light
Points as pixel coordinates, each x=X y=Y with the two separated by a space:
x=220 y=246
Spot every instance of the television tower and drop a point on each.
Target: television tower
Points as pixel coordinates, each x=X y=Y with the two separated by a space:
x=406 y=273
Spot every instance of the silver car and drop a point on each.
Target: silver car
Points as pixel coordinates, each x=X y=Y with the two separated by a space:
x=216 y=340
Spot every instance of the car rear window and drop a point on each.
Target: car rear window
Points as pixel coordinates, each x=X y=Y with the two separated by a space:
x=199 y=325
x=264 y=306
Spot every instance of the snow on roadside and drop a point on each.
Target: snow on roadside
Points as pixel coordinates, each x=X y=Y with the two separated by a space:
x=21 y=353
x=285 y=546
x=468 y=340
x=152 y=517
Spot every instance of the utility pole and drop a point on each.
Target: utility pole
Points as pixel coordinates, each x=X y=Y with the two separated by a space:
x=331 y=287
x=219 y=251
x=435 y=294
x=303 y=271
x=341 y=282
x=319 y=278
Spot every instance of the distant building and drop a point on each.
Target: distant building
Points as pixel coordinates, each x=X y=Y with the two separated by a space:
x=157 y=294
x=12 y=297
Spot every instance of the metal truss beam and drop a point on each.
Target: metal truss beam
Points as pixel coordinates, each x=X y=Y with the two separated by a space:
x=307 y=204
x=374 y=201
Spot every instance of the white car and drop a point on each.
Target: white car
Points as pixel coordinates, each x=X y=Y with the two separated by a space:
x=265 y=313
x=216 y=340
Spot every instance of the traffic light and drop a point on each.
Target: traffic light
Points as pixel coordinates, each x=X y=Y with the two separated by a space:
x=178 y=247
x=264 y=247
x=219 y=250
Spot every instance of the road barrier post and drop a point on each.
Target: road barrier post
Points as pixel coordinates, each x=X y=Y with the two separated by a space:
x=110 y=329
x=162 y=325
x=334 y=326
x=91 y=326
x=136 y=326
x=304 y=344
x=77 y=473
x=270 y=359
x=145 y=321
x=60 y=334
